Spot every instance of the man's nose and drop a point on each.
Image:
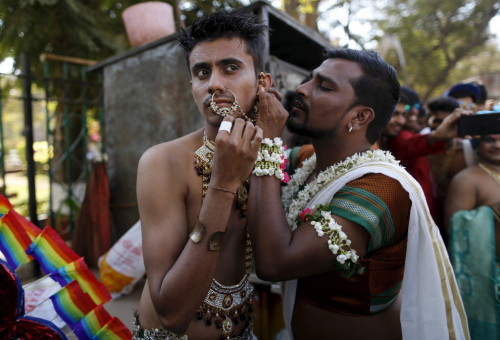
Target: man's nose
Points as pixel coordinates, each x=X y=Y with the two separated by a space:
x=301 y=89
x=216 y=83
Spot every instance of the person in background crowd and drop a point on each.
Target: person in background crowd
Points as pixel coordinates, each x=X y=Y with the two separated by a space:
x=412 y=148
x=472 y=210
x=485 y=104
x=468 y=95
x=439 y=108
x=445 y=165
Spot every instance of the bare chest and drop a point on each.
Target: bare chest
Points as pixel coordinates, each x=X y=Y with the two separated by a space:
x=488 y=192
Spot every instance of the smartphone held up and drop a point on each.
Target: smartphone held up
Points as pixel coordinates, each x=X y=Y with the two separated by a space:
x=479 y=124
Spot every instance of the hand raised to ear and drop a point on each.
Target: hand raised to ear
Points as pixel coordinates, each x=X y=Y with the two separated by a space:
x=272 y=114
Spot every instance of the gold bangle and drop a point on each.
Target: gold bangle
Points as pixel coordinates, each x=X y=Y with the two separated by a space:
x=198 y=232
x=210 y=186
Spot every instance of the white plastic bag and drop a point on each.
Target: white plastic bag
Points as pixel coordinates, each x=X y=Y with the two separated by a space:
x=122 y=266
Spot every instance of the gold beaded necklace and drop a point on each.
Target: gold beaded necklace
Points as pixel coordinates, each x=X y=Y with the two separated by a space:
x=203 y=165
x=492 y=172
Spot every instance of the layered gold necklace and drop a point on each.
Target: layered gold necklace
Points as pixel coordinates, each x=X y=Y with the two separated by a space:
x=490 y=171
x=203 y=164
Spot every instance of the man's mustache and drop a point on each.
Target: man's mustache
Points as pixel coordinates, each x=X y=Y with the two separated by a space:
x=293 y=99
x=228 y=96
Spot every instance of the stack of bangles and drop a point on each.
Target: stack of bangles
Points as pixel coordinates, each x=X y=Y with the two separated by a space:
x=271 y=160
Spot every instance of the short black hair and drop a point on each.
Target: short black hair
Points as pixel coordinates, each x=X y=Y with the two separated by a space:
x=377 y=88
x=462 y=90
x=227 y=24
x=408 y=96
x=483 y=94
x=446 y=104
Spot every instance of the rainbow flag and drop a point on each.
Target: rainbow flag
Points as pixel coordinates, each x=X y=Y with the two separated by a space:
x=31 y=229
x=113 y=330
x=5 y=205
x=72 y=303
x=78 y=270
x=92 y=323
x=50 y=250
x=13 y=241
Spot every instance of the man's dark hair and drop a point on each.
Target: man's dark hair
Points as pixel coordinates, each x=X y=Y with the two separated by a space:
x=226 y=24
x=446 y=104
x=377 y=88
x=462 y=90
x=408 y=96
x=483 y=94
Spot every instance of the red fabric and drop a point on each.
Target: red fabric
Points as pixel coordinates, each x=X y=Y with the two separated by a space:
x=92 y=234
x=13 y=324
x=411 y=149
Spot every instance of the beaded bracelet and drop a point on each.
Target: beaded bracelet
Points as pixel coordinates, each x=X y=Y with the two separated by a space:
x=271 y=160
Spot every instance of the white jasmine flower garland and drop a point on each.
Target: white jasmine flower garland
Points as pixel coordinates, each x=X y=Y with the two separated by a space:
x=322 y=221
x=296 y=199
x=271 y=160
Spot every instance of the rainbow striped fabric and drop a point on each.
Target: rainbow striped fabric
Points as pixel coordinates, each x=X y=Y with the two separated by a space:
x=92 y=323
x=5 y=205
x=113 y=330
x=50 y=250
x=80 y=301
x=31 y=229
x=72 y=303
x=78 y=270
x=14 y=240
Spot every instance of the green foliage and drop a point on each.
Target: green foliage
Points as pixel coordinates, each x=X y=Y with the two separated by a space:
x=89 y=29
x=192 y=10
x=436 y=35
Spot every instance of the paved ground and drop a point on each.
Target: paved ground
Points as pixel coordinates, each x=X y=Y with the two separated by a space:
x=123 y=307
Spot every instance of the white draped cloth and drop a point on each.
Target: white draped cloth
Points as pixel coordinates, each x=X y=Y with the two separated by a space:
x=431 y=307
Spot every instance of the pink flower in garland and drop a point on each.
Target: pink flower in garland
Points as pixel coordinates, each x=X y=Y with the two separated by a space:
x=284 y=162
x=303 y=215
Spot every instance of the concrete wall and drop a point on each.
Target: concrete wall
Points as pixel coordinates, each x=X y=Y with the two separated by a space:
x=147 y=101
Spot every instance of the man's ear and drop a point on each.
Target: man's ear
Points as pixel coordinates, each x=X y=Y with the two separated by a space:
x=268 y=81
x=363 y=116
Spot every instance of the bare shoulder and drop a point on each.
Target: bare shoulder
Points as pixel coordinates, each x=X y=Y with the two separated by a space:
x=170 y=154
x=165 y=178
x=467 y=177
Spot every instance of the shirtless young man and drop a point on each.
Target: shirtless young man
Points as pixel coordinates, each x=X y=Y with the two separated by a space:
x=478 y=185
x=347 y=209
x=194 y=228
x=472 y=209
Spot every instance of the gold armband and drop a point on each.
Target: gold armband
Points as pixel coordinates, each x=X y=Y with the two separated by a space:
x=198 y=232
x=213 y=242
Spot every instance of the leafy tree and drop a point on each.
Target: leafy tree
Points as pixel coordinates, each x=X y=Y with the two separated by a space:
x=304 y=11
x=436 y=36
x=89 y=29
x=193 y=9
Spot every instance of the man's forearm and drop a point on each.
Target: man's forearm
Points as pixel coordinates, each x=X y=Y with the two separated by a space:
x=186 y=283
x=269 y=229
